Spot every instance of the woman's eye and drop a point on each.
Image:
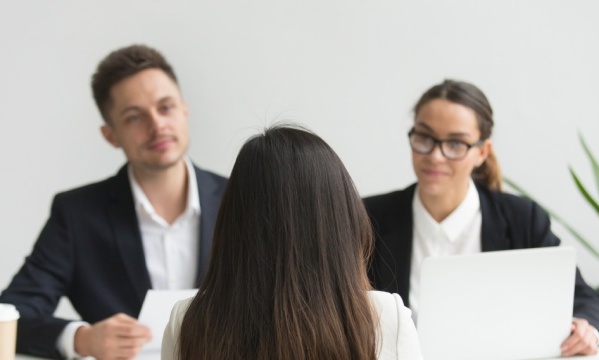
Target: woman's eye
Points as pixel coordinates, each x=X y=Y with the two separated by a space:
x=454 y=144
x=425 y=139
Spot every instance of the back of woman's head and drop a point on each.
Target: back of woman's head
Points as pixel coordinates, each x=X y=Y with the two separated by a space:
x=469 y=95
x=287 y=278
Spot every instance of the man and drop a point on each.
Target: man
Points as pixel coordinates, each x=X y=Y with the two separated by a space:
x=106 y=244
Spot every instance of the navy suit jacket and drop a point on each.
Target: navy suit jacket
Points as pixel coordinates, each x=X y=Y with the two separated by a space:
x=90 y=250
x=508 y=222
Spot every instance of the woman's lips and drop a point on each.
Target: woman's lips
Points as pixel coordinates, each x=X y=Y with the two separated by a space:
x=433 y=173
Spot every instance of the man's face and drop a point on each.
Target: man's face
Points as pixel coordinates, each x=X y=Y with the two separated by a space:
x=147 y=118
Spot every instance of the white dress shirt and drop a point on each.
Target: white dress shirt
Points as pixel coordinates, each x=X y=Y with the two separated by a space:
x=171 y=250
x=459 y=233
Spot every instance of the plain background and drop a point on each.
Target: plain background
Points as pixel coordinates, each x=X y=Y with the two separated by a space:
x=349 y=70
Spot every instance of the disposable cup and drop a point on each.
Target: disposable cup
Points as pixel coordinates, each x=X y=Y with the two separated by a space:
x=8 y=331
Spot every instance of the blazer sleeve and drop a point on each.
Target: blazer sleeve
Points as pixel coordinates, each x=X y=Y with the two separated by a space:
x=586 y=299
x=38 y=286
x=408 y=345
x=169 y=350
x=396 y=337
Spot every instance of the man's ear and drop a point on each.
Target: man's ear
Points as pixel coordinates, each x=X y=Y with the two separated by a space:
x=185 y=110
x=109 y=135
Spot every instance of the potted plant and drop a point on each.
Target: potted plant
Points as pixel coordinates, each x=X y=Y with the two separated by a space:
x=593 y=202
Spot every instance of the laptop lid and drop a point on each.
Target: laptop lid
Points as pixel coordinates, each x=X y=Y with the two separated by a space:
x=514 y=304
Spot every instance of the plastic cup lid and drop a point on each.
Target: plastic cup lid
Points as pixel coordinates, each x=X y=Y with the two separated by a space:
x=8 y=312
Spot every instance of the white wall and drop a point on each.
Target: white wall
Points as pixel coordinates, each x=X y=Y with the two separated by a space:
x=350 y=70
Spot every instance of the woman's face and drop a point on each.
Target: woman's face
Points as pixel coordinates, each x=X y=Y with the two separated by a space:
x=438 y=176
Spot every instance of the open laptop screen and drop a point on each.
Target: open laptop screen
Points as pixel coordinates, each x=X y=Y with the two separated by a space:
x=514 y=304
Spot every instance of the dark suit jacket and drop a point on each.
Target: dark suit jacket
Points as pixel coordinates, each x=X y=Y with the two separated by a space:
x=90 y=250
x=508 y=222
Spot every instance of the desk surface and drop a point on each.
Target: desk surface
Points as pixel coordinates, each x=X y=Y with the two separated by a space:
x=156 y=356
x=143 y=356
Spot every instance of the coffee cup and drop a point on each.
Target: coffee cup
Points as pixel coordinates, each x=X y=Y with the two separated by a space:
x=8 y=331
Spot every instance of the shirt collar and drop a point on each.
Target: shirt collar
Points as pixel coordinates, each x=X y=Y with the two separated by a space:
x=459 y=220
x=454 y=224
x=193 y=197
x=143 y=204
x=424 y=223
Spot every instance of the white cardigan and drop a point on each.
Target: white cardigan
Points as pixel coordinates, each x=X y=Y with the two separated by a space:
x=396 y=338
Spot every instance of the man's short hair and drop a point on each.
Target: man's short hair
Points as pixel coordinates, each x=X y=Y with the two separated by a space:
x=120 y=64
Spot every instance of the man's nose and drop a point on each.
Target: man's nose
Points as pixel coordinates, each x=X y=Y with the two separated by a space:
x=157 y=120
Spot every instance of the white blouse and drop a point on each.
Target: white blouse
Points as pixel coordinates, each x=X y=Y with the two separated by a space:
x=396 y=335
x=459 y=233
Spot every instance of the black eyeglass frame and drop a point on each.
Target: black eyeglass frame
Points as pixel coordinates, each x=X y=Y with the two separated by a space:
x=438 y=142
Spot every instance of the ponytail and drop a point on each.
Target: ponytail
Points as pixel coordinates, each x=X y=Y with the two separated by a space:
x=489 y=172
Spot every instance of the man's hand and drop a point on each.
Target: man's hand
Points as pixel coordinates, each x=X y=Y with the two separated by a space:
x=582 y=339
x=118 y=337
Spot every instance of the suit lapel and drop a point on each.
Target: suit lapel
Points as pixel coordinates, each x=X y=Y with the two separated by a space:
x=393 y=225
x=125 y=228
x=209 y=191
x=403 y=247
x=494 y=230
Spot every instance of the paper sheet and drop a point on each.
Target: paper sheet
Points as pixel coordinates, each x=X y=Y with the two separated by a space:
x=156 y=311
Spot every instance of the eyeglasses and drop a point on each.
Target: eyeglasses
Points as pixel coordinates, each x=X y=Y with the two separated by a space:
x=452 y=149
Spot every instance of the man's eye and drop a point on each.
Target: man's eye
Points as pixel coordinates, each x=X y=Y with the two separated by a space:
x=132 y=118
x=167 y=107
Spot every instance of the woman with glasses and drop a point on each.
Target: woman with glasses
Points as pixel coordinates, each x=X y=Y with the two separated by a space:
x=457 y=207
x=287 y=277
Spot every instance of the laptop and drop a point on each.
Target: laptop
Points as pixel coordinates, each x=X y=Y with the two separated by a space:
x=514 y=304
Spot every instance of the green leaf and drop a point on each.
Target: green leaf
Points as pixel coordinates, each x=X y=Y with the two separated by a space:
x=584 y=191
x=517 y=187
x=586 y=244
x=575 y=233
x=592 y=160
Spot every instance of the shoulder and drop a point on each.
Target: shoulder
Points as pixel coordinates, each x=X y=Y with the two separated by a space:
x=384 y=302
x=510 y=205
x=95 y=192
x=503 y=198
x=85 y=190
x=209 y=175
x=172 y=329
x=521 y=220
x=397 y=334
x=392 y=312
x=180 y=309
x=210 y=182
x=380 y=205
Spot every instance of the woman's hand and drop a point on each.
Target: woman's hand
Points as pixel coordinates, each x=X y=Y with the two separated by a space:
x=583 y=339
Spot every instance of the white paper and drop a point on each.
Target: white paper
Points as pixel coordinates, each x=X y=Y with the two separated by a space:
x=156 y=311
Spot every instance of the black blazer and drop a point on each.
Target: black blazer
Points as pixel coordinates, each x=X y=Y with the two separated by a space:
x=508 y=222
x=90 y=250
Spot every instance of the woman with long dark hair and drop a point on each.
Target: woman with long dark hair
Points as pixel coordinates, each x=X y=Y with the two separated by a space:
x=457 y=206
x=287 y=277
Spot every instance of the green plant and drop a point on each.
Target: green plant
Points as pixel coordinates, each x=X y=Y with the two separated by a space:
x=583 y=190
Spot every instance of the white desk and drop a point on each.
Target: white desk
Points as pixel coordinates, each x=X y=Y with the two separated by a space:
x=156 y=356
x=143 y=356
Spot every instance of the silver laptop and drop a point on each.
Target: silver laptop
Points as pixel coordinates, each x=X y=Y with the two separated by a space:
x=514 y=304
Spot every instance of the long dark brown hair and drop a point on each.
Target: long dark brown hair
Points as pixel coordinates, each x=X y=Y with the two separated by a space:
x=468 y=95
x=287 y=277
